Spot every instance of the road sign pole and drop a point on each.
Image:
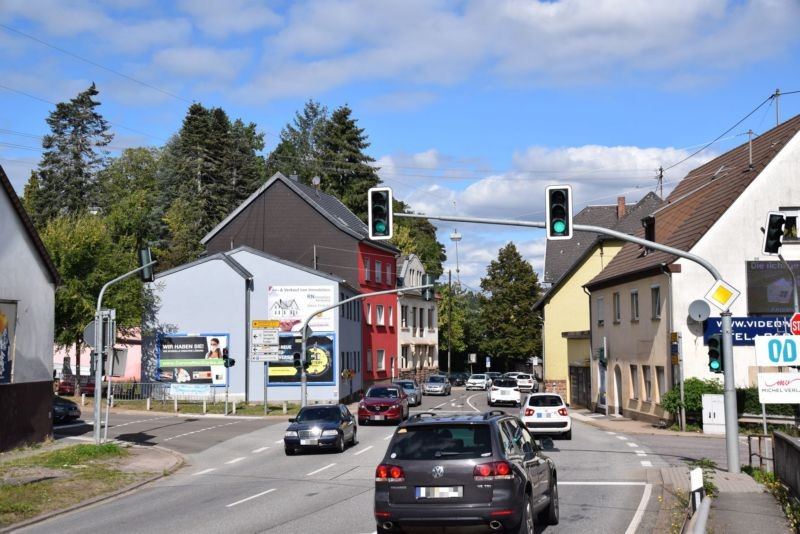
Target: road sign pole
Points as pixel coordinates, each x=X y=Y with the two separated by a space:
x=731 y=419
x=266 y=387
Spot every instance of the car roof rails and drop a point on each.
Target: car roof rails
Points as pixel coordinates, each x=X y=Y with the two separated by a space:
x=492 y=413
x=420 y=415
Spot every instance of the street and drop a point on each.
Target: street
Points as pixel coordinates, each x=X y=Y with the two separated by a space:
x=237 y=478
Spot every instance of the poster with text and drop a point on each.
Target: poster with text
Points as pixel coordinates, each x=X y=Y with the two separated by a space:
x=291 y=305
x=321 y=349
x=769 y=287
x=8 y=323
x=192 y=359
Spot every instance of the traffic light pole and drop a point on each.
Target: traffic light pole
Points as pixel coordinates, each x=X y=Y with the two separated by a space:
x=731 y=422
x=304 y=332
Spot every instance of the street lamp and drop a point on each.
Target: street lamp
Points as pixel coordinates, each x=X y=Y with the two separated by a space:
x=455 y=237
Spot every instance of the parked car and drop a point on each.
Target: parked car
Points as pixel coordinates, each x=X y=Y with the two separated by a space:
x=511 y=374
x=64 y=410
x=383 y=402
x=413 y=391
x=457 y=379
x=320 y=426
x=526 y=382
x=480 y=471
x=546 y=413
x=66 y=386
x=503 y=391
x=493 y=375
x=436 y=385
x=478 y=382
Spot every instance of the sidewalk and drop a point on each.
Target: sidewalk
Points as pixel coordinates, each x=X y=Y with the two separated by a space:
x=742 y=507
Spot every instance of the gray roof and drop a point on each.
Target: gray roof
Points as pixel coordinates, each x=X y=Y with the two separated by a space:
x=233 y=264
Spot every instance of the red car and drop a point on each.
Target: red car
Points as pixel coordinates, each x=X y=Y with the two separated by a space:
x=383 y=402
x=66 y=386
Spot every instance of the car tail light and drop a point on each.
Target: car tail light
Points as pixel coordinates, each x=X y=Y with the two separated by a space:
x=389 y=473
x=529 y=412
x=562 y=411
x=494 y=389
x=492 y=471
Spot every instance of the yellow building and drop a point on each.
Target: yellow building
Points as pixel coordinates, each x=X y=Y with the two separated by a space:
x=569 y=265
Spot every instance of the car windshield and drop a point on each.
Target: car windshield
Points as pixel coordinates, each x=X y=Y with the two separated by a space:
x=383 y=393
x=436 y=379
x=523 y=377
x=545 y=400
x=428 y=442
x=505 y=383
x=407 y=385
x=478 y=377
x=316 y=413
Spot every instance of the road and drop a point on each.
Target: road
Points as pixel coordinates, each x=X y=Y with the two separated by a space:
x=239 y=480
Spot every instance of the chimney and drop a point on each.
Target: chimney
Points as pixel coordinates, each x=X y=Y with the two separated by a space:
x=620 y=207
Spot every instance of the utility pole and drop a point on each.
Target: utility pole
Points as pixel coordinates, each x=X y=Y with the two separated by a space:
x=777 y=107
x=449 y=317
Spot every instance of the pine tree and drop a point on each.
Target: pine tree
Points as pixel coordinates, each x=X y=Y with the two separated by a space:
x=509 y=322
x=72 y=157
x=298 y=152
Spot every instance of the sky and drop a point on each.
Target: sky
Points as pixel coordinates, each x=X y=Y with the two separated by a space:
x=471 y=107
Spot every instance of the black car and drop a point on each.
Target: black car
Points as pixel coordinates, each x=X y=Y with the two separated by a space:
x=458 y=379
x=480 y=471
x=64 y=410
x=322 y=426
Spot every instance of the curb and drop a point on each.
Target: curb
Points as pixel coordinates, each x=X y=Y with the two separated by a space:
x=642 y=430
x=180 y=461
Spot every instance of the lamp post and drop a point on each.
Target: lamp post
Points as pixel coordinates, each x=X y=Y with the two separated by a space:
x=455 y=237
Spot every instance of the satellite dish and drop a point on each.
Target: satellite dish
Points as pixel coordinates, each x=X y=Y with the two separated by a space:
x=699 y=310
x=315 y=181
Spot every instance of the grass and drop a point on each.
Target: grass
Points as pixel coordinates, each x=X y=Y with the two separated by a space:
x=790 y=507
x=34 y=484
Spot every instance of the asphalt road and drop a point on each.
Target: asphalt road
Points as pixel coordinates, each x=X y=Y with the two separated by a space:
x=239 y=480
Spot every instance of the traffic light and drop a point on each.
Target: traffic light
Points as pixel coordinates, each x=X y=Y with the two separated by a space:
x=715 y=353
x=428 y=293
x=228 y=361
x=773 y=233
x=145 y=274
x=379 y=213
x=559 y=212
x=298 y=362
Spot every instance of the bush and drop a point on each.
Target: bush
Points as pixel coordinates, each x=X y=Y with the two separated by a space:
x=747 y=402
x=693 y=391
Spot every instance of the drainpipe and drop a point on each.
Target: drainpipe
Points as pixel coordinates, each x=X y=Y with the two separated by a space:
x=668 y=274
x=248 y=288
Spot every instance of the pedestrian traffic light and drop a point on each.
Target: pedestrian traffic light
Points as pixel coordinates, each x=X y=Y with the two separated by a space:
x=715 y=354
x=773 y=233
x=379 y=213
x=228 y=361
x=428 y=292
x=559 y=212
x=145 y=274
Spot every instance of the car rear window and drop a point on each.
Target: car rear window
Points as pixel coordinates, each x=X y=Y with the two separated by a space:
x=523 y=377
x=478 y=377
x=504 y=383
x=430 y=442
x=545 y=400
x=406 y=385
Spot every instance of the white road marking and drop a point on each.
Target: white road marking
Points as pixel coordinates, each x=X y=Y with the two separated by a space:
x=469 y=401
x=204 y=471
x=363 y=450
x=611 y=433
x=647 y=463
x=279 y=441
x=388 y=437
x=632 y=444
x=239 y=459
x=320 y=469
x=640 y=453
x=140 y=421
x=593 y=483
x=637 y=517
x=251 y=497
x=262 y=449
x=440 y=405
x=623 y=438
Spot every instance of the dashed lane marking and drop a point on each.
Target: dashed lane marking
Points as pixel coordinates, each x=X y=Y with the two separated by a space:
x=198 y=431
x=250 y=498
x=647 y=463
x=320 y=470
x=362 y=450
x=235 y=460
x=205 y=471
x=262 y=449
x=623 y=438
x=630 y=444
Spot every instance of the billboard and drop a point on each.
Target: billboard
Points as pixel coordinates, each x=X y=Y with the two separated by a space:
x=291 y=305
x=192 y=358
x=322 y=350
x=769 y=287
x=8 y=321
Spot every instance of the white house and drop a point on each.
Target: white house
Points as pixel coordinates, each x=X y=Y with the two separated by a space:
x=418 y=342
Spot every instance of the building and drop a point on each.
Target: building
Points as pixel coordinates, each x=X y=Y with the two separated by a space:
x=28 y=282
x=418 y=340
x=238 y=292
x=716 y=212
x=568 y=265
x=305 y=226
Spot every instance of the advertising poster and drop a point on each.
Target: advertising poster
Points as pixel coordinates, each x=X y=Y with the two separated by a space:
x=8 y=319
x=769 y=287
x=322 y=349
x=192 y=359
x=292 y=304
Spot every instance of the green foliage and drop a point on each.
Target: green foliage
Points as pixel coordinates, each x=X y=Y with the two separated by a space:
x=451 y=306
x=747 y=402
x=778 y=490
x=693 y=389
x=709 y=467
x=418 y=236
x=299 y=151
x=509 y=322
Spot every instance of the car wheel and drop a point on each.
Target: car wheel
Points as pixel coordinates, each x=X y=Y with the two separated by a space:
x=490 y=403
x=354 y=442
x=550 y=514
x=568 y=434
x=526 y=525
x=289 y=451
x=340 y=446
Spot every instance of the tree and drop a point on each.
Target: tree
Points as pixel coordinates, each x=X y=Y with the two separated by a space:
x=67 y=174
x=451 y=304
x=418 y=236
x=508 y=318
x=299 y=152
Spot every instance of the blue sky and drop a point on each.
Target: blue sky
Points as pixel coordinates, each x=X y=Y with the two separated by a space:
x=472 y=108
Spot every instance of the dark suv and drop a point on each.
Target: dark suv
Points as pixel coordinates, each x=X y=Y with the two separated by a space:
x=465 y=471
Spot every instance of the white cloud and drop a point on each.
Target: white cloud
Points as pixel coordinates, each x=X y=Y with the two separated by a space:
x=202 y=62
x=222 y=18
x=56 y=17
x=136 y=37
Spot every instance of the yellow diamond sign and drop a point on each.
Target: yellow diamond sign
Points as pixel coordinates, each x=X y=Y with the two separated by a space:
x=722 y=295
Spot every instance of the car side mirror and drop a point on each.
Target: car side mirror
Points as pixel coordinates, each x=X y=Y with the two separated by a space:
x=361 y=395
x=292 y=419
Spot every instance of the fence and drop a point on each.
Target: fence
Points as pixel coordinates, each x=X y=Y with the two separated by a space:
x=786 y=456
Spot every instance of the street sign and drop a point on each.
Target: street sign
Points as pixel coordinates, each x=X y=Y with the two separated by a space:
x=488 y=362
x=795 y=322
x=88 y=334
x=772 y=351
x=779 y=388
x=264 y=341
x=722 y=295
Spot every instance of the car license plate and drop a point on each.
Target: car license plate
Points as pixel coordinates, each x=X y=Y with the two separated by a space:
x=440 y=492
x=377 y=417
x=308 y=442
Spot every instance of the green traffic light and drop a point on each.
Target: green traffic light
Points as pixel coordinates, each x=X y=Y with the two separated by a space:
x=559 y=226
x=714 y=365
x=380 y=227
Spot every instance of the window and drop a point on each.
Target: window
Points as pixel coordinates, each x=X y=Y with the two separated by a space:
x=381 y=359
x=421 y=318
x=404 y=316
x=414 y=317
x=634 y=305
x=378 y=272
x=617 y=310
x=358 y=361
x=379 y=319
x=655 y=302
x=391 y=317
x=369 y=313
x=369 y=359
x=367 y=272
x=634 y=382
x=648 y=384
x=601 y=302
x=404 y=356
x=662 y=384
x=388 y=274
x=430 y=318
